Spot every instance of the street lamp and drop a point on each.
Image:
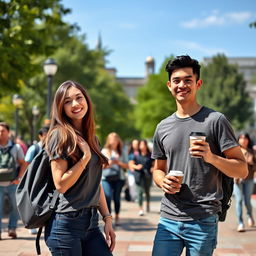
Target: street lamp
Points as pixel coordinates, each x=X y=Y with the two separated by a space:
x=17 y=102
x=35 y=112
x=50 y=69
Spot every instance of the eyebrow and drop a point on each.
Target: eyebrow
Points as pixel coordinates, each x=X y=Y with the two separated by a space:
x=179 y=77
x=75 y=95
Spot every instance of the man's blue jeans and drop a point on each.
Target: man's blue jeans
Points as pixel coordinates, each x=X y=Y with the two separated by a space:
x=243 y=191
x=199 y=237
x=14 y=215
x=76 y=233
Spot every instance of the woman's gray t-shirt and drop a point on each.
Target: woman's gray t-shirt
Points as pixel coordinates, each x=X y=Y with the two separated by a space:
x=86 y=191
x=201 y=190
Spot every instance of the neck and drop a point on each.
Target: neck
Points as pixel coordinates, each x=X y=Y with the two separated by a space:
x=3 y=142
x=187 y=110
x=78 y=125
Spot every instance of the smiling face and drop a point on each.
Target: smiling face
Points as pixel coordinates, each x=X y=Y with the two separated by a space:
x=183 y=85
x=75 y=105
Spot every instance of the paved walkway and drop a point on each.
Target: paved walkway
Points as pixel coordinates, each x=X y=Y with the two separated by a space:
x=135 y=234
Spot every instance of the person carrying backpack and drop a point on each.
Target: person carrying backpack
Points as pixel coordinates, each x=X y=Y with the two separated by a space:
x=76 y=164
x=12 y=168
x=190 y=210
x=33 y=150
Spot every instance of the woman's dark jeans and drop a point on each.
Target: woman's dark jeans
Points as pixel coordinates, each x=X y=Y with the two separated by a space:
x=76 y=234
x=113 y=189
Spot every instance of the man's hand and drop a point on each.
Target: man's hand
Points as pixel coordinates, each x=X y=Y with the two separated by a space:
x=170 y=185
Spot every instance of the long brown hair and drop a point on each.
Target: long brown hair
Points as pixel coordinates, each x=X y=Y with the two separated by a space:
x=61 y=124
x=119 y=145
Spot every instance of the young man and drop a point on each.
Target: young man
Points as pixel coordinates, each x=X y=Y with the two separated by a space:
x=9 y=187
x=189 y=212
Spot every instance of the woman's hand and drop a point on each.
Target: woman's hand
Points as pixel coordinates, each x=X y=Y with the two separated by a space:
x=83 y=145
x=110 y=234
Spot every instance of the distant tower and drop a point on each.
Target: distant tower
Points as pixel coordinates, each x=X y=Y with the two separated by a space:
x=150 y=66
x=99 y=43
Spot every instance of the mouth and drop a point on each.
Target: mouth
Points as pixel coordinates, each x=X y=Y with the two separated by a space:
x=76 y=111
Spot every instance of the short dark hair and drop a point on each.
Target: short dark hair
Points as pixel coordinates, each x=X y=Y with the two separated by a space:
x=183 y=61
x=43 y=130
x=5 y=125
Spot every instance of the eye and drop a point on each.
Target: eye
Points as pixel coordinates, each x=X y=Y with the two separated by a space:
x=176 y=81
x=67 y=102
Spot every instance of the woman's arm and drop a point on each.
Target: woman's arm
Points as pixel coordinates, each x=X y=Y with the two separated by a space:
x=65 y=178
x=107 y=218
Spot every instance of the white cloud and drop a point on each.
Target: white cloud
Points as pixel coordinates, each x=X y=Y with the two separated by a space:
x=218 y=19
x=189 y=45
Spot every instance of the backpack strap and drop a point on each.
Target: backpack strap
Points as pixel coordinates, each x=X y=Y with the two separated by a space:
x=38 y=249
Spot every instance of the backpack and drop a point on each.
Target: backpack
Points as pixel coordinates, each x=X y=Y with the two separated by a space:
x=8 y=170
x=227 y=187
x=36 y=195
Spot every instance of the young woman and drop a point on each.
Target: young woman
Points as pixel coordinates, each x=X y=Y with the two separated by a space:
x=113 y=150
x=132 y=151
x=243 y=187
x=76 y=163
x=142 y=164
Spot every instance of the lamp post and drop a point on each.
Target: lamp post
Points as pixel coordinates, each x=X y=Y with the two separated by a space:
x=50 y=69
x=35 y=112
x=17 y=102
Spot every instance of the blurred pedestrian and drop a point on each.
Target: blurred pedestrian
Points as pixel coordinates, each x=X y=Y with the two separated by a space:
x=243 y=188
x=33 y=150
x=142 y=168
x=76 y=163
x=117 y=162
x=11 y=157
x=132 y=152
x=190 y=207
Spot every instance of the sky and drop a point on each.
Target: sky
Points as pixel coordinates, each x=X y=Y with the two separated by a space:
x=136 y=29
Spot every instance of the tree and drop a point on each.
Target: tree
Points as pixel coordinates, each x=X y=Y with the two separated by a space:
x=224 y=90
x=253 y=24
x=25 y=29
x=154 y=103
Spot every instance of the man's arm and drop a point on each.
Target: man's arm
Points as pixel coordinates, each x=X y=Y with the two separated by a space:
x=170 y=184
x=234 y=165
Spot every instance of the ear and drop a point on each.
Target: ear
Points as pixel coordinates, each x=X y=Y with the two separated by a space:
x=199 y=83
x=168 y=85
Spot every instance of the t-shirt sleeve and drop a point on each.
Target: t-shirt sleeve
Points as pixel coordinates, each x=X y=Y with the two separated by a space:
x=20 y=154
x=52 y=147
x=225 y=134
x=30 y=154
x=158 y=151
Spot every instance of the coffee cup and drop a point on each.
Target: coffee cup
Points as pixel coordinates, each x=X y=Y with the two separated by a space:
x=196 y=136
x=177 y=174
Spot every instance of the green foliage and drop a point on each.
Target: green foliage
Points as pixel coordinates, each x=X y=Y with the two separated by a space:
x=224 y=90
x=27 y=30
x=253 y=24
x=154 y=103
x=112 y=107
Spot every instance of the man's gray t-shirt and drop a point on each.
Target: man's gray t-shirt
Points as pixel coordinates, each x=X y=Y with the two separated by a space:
x=201 y=190
x=86 y=191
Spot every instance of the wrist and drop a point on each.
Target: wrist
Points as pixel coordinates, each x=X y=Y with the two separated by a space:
x=107 y=217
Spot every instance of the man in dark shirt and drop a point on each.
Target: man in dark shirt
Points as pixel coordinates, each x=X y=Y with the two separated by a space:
x=189 y=212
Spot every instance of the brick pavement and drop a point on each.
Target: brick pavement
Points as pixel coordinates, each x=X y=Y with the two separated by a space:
x=135 y=234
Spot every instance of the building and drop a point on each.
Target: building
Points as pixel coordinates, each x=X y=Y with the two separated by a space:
x=131 y=84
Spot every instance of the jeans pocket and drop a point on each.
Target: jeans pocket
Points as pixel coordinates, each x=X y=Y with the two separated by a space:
x=211 y=220
x=68 y=215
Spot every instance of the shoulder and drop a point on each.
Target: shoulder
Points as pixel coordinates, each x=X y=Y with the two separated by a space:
x=165 y=122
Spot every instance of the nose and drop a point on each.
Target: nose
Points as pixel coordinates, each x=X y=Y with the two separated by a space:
x=181 y=84
x=74 y=103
